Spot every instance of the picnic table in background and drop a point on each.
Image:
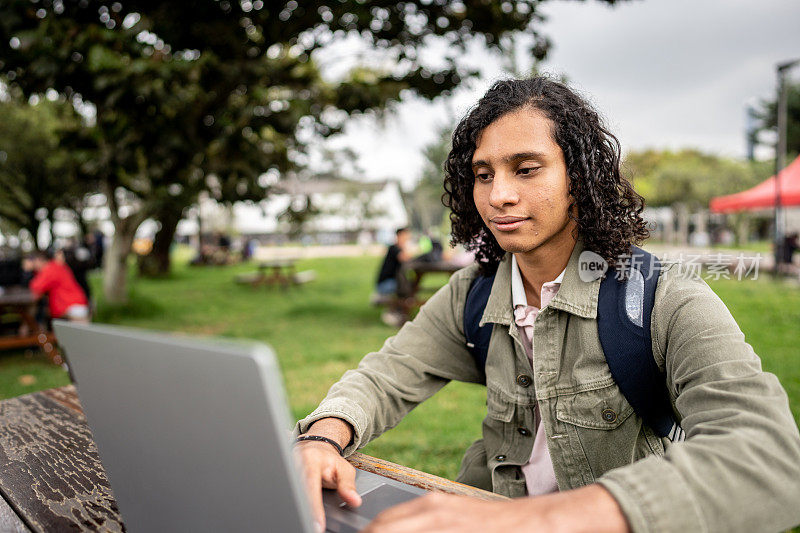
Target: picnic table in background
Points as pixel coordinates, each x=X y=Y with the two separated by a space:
x=17 y=310
x=411 y=293
x=51 y=477
x=277 y=272
x=415 y=270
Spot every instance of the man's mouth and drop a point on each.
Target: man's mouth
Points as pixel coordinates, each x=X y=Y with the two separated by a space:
x=507 y=223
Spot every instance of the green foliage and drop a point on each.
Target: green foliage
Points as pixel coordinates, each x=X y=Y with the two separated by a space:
x=298 y=213
x=34 y=170
x=209 y=95
x=767 y=118
x=689 y=177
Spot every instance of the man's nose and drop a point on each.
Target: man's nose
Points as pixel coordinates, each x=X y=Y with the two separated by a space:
x=504 y=191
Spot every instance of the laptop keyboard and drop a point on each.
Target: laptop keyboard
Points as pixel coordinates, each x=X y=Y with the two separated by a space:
x=372 y=503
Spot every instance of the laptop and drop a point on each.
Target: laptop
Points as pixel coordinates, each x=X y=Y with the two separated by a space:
x=195 y=435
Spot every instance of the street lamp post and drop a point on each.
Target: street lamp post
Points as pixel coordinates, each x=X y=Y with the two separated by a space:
x=780 y=157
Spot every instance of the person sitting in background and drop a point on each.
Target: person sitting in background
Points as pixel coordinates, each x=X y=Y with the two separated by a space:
x=54 y=279
x=397 y=254
x=391 y=286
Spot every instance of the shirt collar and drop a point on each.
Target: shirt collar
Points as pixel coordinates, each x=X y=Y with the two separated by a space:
x=518 y=296
x=574 y=296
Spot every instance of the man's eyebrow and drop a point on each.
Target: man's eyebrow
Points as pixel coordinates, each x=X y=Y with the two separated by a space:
x=511 y=158
x=523 y=155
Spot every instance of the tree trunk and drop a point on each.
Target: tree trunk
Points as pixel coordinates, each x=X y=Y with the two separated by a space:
x=682 y=212
x=83 y=226
x=157 y=262
x=115 y=259
x=52 y=220
x=32 y=227
x=742 y=229
x=115 y=264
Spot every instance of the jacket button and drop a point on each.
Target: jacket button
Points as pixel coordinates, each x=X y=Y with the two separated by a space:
x=524 y=380
x=609 y=416
x=500 y=458
x=525 y=432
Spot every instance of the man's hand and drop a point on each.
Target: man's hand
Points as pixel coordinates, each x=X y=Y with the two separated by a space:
x=324 y=467
x=590 y=508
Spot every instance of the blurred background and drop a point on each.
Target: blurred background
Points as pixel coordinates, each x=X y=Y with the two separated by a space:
x=238 y=168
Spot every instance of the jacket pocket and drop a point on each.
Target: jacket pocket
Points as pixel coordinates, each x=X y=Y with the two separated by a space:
x=605 y=408
x=601 y=432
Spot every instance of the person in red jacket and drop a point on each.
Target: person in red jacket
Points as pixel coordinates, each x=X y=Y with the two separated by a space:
x=55 y=279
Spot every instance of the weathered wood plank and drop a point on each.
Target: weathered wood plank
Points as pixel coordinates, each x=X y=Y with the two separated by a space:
x=50 y=470
x=417 y=478
x=66 y=396
x=10 y=521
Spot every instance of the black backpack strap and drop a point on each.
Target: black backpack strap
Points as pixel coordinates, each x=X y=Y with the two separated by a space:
x=478 y=337
x=625 y=306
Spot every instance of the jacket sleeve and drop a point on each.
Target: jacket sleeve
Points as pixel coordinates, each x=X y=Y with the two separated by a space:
x=739 y=467
x=410 y=367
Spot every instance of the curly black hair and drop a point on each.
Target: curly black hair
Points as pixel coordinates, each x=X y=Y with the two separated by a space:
x=608 y=214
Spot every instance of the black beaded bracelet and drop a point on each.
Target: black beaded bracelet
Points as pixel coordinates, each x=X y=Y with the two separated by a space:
x=320 y=438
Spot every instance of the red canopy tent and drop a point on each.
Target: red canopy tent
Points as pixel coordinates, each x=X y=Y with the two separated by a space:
x=762 y=196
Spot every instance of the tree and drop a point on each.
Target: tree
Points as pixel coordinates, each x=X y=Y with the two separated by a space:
x=686 y=180
x=424 y=202
x=207 y=95
x=35 y=177
x=767 y=118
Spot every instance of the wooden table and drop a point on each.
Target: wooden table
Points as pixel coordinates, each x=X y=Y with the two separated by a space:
x=410 y=293
x=416 y=270
x=278 y=272
x=20 y=301
x=51 y=478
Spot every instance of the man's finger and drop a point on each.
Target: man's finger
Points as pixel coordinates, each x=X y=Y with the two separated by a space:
x=346 y=487
x=314 y=488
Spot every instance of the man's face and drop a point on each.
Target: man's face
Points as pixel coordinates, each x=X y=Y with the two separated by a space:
x=403 y=237
x=521 y=186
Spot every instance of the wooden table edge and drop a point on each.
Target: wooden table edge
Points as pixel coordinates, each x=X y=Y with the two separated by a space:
x=418 y=478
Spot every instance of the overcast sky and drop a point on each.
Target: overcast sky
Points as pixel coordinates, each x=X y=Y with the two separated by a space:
x=664 y=73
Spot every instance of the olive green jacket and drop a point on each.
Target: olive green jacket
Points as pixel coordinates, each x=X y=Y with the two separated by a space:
x=737 y=470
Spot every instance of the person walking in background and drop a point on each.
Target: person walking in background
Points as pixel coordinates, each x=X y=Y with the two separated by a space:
x=54 y=279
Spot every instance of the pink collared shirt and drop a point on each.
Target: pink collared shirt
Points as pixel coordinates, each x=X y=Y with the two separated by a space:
x=538 y=471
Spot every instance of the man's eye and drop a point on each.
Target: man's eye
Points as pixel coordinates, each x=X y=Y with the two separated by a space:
x=483 y=176
x=527 y=171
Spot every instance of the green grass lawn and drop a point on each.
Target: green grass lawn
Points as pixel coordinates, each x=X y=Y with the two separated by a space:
x=321 y=329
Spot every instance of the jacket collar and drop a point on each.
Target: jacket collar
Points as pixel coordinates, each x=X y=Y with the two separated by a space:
x=575 y=296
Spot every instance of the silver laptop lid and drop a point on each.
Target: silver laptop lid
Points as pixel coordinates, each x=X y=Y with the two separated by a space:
x=194 y=434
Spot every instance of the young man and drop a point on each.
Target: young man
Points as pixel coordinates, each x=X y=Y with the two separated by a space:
x=533 y=180
x=54 y=279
